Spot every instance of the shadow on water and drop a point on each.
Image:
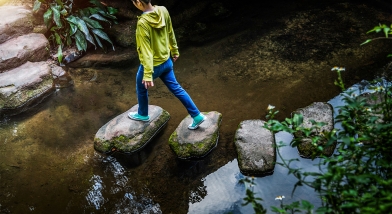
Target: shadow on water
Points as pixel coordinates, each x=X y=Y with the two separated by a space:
x=47 y=160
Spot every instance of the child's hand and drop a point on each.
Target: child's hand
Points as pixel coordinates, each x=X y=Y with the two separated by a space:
x=175 y=57
x=148 y=84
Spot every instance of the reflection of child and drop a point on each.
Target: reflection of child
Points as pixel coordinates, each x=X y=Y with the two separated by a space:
x=155 y=42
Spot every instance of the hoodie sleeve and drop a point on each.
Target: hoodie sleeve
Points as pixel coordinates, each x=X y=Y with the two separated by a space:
x=172 y=38
x=145 y=51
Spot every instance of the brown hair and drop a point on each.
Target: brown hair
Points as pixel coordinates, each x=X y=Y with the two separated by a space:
x=144 y=1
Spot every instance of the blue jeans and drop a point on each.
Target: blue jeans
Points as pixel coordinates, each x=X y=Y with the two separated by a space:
x=166 y=73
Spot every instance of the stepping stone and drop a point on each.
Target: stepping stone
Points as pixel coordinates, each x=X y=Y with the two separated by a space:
x=25 y=85
x=319 y=112
x=188 y=144
x=32 y=47
x=14 y=21
x=125 y=135
x=255 y=148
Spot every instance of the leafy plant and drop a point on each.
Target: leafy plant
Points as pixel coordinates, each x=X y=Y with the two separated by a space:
x=387 y=30
x=69 y=25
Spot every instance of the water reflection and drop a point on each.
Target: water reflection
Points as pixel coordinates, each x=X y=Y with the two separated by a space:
x=225 y=193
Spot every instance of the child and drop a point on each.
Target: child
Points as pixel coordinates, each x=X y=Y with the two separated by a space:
x=155 y=42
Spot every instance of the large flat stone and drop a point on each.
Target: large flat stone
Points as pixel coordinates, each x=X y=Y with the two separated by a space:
x=25 y=84
x=319 y=112
x=255 y=148
x=14 y=21
x=125 y=135
x=31 y=47
x=197 y=143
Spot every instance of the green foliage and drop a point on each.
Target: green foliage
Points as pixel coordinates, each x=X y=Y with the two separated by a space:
x=70 y=25
x=387 y=30
x=251 y=197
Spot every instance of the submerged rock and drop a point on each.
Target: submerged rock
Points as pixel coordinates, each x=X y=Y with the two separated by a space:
x=196 y=143
x=32 y=47
x=25 y=85
x=255 y=148
x=125 y=135
x=319 y=112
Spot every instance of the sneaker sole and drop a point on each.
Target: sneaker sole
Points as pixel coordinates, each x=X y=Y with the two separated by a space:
x=137 y=119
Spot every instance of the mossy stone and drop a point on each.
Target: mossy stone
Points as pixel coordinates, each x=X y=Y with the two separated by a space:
x=125 y=135
x=197 y=143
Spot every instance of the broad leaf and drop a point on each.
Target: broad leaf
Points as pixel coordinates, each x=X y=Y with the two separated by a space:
x=58 y=38
x=56 y=15
x=104 y=13
x=48 y=17
x=60 y=54
x=386 y=30
x=72 y=29
x=37 y=6
x=93 y=23
x=98 y=41
x=102 y=35
x=100 y=18
x=83 y=28
x=112 y=10
x=80 y=40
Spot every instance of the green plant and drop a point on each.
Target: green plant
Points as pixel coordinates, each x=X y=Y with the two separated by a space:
x=380 y=28
x=69 y=25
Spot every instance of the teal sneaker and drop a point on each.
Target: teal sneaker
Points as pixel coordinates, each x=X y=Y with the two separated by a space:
x=197 y=121
x=138 y=117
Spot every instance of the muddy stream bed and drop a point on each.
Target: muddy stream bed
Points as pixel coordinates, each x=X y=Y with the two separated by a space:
x=48 y=163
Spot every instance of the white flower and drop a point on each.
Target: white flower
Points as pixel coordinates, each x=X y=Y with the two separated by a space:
x=336 y=68
x=279 y=197
x=270 y=107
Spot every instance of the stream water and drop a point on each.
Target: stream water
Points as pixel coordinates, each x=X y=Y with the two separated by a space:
x=47 y=159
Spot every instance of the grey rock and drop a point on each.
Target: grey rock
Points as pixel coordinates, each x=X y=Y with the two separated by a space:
x=319 y=112
x=197 y=143
x=31 y=47
x=15 y=21
x=125 y=135
x=255 y=148
x=24 y=85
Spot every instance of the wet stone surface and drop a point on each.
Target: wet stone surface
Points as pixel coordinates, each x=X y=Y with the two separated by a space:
x=319 y=112
x=255 y=147
x=197 y=143
x=125 y=135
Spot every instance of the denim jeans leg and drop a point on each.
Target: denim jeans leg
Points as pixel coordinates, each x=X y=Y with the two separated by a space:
x=171 y=83
x=142 y=93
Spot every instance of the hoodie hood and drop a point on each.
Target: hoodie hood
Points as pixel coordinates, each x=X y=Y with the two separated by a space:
x=154 y=18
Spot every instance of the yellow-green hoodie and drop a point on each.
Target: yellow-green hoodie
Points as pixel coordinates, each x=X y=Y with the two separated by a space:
x=155 y=39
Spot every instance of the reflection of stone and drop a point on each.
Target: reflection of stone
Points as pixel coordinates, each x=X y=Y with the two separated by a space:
x=196 y=143
x=319 y=112
x=125 y=135
x=255 y=148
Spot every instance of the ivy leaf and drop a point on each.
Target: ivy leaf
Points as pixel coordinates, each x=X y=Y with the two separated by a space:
x=37 y=6
x=48 y=17
x=81 y=42
x=56 y=15
x=102 y=35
